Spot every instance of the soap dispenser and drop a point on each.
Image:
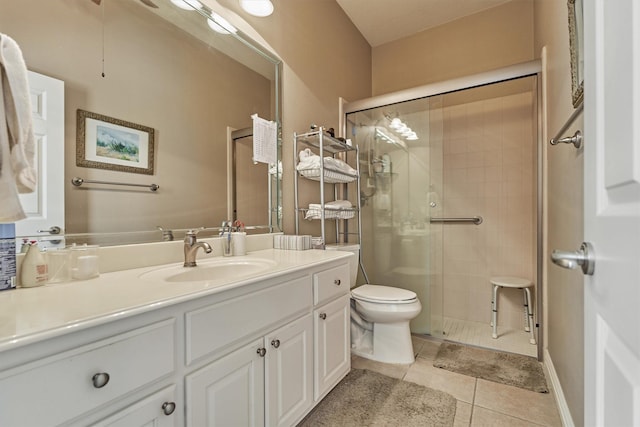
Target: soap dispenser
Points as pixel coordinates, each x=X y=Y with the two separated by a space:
x=34 y=270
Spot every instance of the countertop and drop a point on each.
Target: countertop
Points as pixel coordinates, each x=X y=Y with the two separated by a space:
x=29 y=315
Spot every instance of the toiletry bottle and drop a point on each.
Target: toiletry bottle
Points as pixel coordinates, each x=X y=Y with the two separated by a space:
x=34 y=270
x=7 y=256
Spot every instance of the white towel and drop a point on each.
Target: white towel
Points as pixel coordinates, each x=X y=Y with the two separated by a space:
x=308 y=160
x=17 y=141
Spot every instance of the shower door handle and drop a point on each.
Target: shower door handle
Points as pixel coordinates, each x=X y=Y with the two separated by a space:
x=584 y=257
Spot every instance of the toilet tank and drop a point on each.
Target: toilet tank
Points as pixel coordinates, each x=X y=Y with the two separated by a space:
x=354 y=248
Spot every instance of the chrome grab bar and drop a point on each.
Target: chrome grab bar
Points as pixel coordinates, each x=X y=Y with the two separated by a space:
x=477 y=220
x=79 y=181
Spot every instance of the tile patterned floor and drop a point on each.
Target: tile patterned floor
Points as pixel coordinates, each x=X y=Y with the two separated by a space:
x=480 y=402
x=479 y=335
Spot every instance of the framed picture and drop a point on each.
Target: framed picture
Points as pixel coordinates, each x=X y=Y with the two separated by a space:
x=106 y=143
x=576 y=50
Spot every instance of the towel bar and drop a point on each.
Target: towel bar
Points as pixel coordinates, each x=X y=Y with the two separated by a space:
x=77 y=181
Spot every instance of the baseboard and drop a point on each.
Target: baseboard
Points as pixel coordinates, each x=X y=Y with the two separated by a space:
x=563 y=408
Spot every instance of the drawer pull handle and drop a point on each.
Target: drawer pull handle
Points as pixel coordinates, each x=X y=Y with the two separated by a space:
x=168 y=407
x=262 y=352
x=336 y=282
x=323 y=316
x=100 y=379
x=275 y=343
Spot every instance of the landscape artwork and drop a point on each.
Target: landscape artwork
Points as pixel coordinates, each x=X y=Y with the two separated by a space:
x=104 y=142
x=117 y=144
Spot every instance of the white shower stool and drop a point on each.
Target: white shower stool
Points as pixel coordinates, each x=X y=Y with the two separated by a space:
x=518 y=283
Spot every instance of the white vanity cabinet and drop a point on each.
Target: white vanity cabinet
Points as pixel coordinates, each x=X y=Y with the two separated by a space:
x=157 y=410
x=58 y=388
x=229 y=391
x=332 y=322
x=266 y=382
x=260 y=353
x=289 y=373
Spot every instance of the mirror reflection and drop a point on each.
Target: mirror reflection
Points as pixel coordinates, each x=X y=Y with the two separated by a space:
x=162 y=68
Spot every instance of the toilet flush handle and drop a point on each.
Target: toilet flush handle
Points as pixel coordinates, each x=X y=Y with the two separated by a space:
x=323 y=316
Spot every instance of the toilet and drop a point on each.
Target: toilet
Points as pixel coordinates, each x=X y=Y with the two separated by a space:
x=380 y=317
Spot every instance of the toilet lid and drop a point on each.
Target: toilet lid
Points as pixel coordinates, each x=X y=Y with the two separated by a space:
x=382 y=294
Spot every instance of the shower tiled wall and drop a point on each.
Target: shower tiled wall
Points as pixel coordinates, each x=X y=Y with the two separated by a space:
x=488 y=170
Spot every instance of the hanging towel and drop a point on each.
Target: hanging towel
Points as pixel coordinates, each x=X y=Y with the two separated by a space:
x=17 y=140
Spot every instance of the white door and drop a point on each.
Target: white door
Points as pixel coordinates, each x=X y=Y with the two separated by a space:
x=289 y=372
x=612 y=212
x=45 y=206
x=229 y=391
x=332 y=346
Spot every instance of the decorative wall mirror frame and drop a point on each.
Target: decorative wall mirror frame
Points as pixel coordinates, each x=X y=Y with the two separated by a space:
x=576 y=47
x=212 y=82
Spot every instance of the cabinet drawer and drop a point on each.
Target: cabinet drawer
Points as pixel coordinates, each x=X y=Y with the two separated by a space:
x=330 y=284
x=219 y=326
x=63 y=385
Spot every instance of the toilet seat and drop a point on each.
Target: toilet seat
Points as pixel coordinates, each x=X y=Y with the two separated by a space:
x=384 y=294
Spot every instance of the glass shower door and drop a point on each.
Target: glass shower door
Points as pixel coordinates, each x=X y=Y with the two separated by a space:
x=399 y=185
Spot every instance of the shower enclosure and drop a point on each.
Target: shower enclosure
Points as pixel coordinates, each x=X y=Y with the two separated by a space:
x=450 y=198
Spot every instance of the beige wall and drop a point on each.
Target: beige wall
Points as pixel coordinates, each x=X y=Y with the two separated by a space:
x=325 y=58
x=487 y=40
x=156 y=76
x=564 y=203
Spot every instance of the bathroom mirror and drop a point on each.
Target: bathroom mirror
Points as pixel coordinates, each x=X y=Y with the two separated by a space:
x=576 y=47
x=165 y=68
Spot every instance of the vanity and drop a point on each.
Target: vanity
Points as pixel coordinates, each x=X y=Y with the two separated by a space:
x=259 y=342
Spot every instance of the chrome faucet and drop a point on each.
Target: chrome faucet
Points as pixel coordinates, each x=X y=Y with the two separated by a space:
x=191 y=246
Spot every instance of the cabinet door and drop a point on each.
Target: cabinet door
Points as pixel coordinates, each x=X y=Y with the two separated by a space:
x=158 y=410
x=289 y=373
x=229 y=391
x=332 y=345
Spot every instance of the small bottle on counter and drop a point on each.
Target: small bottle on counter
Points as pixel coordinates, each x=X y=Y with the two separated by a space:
x=34 y=270
x=7 y=256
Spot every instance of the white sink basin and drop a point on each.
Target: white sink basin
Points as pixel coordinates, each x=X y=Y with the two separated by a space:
x=210 y=270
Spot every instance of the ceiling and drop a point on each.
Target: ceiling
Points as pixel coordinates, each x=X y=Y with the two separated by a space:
x=382 y=21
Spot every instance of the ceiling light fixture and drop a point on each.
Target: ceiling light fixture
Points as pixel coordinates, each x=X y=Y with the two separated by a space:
x=188 y=4
x=259 y=8
x=398 y=126
x=220 y=25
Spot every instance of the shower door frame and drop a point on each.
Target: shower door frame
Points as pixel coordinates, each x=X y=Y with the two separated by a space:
x=512 y=72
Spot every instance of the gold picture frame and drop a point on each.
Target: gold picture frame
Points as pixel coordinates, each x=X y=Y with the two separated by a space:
x=104 y=142
x=576 y=48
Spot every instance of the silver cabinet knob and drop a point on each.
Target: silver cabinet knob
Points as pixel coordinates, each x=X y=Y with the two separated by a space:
x=337 y=282
x=262 y=351
x=168 y=407
x=275 y=343
x=584 y=257
x=323 y=316
x=100 y=379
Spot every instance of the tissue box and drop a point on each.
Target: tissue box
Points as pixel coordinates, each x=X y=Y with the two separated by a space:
x=292 y=243
x=7 y=256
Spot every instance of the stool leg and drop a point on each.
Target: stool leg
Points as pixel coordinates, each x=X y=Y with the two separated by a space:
x=532 y=339
x=494 y=312
x=526 y=309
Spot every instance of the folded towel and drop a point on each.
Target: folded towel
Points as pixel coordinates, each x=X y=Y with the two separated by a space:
x=308 y=160
x=17 y=141
x=336 y=205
